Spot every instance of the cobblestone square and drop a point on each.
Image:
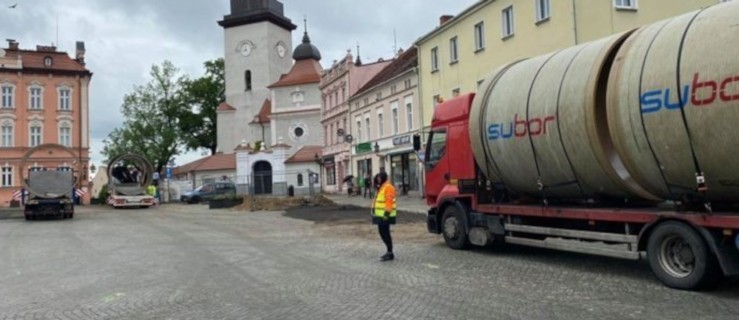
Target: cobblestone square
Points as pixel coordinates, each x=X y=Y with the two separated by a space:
x=188 y=262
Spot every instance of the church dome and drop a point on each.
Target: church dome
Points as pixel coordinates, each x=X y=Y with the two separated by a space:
x=306 y=50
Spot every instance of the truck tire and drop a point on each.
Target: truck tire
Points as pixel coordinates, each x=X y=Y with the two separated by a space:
x=681 y=258
x=454 y=228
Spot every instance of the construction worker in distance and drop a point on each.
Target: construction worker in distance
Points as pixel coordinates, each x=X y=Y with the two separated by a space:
x=384 y=212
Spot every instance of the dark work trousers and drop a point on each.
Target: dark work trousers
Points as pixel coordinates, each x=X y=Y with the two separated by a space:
x=384 y=229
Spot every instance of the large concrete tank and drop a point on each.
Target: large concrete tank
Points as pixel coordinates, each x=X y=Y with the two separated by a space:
x=118 y=171
x=538 y=124
x=584 y=122
x=690 y=61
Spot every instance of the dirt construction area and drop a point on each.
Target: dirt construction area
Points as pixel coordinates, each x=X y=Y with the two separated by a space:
x=354 y=221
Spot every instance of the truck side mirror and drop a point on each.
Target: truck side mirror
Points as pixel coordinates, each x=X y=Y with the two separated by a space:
x=416 y=142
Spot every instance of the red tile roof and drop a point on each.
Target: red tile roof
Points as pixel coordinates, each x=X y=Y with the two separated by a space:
x=215 y=162
x=34 y=60
x=225 y=107
x=264 y=113
x=306 y=154
x=406 y=61
x=303 y=72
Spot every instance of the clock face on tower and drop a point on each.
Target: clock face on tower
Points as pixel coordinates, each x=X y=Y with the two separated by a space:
x=281 y=49
x=245 y=48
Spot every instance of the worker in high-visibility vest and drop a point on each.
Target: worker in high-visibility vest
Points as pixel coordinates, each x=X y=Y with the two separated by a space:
x=384 y=212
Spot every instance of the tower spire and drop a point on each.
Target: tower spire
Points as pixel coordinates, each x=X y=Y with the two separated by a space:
x=306 y=39
x=359 y=58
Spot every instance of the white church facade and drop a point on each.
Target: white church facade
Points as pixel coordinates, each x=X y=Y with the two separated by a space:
x=270 y=120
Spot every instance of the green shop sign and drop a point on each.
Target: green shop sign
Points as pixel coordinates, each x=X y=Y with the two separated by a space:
x=363 y=148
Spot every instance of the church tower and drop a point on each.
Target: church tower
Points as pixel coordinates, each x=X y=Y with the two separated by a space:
x=257 y=46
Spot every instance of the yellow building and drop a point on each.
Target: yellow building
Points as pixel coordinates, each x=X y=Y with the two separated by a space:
x=456 y=56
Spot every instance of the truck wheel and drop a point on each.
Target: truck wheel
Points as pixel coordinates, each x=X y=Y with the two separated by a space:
x=454 y=229
x=680 y=257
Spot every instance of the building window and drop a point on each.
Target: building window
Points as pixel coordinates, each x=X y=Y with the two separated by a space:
x=434 y=59
x=367 y=126
x=65 y=97
x=625 y=4
x=325 y=136
x=380 y=125
x=508 y=23
x=542 y=10
x=300 y=179
x=6 y=134
x=35 y=136
x=407 y=84
x=48 y=61
x=453 y=52
x=34 y=101
x=409 y=112
x=7 y=177
x=331 y=176
x=379 y=96
x=7 y=102
x=247 y=79
x=331 y=134
x=359 y=129
x=343 y=94
x=479 y=36
x=336 y=98
x=394 y=108
x=65 y=134
x=393 y=89
x=436 y=101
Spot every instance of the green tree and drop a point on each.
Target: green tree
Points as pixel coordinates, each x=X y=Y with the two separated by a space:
x=151 y=118
x=203 y=95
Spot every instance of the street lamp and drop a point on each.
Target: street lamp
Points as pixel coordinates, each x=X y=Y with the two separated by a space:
x=377 y=147
x=317 y=159
x=92 y=168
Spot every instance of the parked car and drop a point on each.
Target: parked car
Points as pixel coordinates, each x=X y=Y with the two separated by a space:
x=209 y=191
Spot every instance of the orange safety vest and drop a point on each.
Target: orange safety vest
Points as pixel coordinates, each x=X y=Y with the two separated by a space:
x=385 y=197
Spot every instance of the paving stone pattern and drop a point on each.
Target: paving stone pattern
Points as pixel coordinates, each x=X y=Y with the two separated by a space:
x=188 y=262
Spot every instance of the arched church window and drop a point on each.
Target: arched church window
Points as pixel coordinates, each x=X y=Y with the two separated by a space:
x=300 y=179
x=247 y=79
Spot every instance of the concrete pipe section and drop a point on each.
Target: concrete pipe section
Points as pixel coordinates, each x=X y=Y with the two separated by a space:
x=120 y=179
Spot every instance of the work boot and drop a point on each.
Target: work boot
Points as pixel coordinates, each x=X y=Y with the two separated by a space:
x=388 y=256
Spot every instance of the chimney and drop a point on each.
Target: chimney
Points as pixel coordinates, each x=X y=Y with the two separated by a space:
x=12 y=44
x=444 y=19
x=79 y=54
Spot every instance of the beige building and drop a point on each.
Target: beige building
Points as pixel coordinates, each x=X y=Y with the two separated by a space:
x=384 y=116
x=338 y=83
x=456 y=56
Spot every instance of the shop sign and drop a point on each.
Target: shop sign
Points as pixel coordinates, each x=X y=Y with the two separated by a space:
x=363 y=148
x=328 y=162
x=398 y=141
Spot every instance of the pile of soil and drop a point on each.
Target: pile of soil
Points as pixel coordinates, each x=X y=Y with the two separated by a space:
x=356 y=222
x=263 y=203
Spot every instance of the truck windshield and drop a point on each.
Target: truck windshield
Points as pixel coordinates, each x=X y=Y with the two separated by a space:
x=436 y=148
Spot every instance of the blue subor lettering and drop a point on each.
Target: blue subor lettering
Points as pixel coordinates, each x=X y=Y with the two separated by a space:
x=520 y=128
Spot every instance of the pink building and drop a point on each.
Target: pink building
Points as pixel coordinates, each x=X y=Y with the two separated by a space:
x=338 y=84
x=43 y=99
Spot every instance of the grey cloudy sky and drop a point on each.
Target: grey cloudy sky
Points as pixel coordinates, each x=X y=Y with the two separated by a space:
x=124 y=38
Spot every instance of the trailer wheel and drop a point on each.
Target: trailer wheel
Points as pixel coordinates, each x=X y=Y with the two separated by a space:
x=680 y=257
x=454 y=228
